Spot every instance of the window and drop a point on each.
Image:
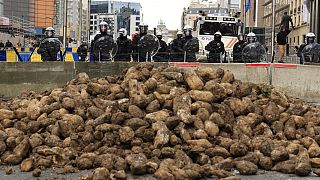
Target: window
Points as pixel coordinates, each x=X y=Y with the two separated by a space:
x=294 y=39
x=298 y=40
x=138 y=18
x=137 y=23
x=227 y=29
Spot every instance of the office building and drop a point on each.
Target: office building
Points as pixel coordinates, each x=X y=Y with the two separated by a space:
x=119 y=14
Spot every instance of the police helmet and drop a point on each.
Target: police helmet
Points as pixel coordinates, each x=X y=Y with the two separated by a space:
x=251 y=37
x=143 y=28
x=123 y=32
x=49 y=31
x=159 y=35
x=187 y=30
x=217 y=36
x=103 y=27
x=310 y=38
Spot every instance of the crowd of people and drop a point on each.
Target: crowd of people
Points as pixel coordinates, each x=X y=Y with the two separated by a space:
x=183 y=48
x=103 y=46
x=8 y=44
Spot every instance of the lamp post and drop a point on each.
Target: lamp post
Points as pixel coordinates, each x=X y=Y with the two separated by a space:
x=89 y=19
x=273 y=29
x=65 y=28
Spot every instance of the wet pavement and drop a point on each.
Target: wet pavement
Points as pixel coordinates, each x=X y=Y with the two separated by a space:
x=56 y=174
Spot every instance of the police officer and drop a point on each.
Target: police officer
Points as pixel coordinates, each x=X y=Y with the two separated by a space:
x=305 y=49
x=176 y=47
x=191 y=45
x=50 y=46
x=237 y=49
x=124 y=46
x=99 y=53
x=143 y=30
x=253 y=50
x=82 y=51
x=215 y=48
x=163 y=51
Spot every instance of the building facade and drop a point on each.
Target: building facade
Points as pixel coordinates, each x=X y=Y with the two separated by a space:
x=119 y=15
x=36 y=13
x=1 y=8
x=254 y=15
x=300 y=16
x=298 y=11
x=77 y=20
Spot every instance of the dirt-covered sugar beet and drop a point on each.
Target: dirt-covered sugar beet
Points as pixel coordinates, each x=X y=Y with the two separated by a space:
x=171 y=122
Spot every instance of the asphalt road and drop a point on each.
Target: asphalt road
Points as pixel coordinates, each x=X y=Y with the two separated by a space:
x=56 y=174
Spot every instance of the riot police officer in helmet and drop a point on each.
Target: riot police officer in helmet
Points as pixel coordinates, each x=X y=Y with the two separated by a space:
x=310 y=50
x=50 y=46
x=100 y=41
x=163 y=51
x=191 y=45
x=124 y=46
x=176 y=47
x=143 y=30
x=253 y=50
x=215 y=48
x=103 y=27
x=237 y=49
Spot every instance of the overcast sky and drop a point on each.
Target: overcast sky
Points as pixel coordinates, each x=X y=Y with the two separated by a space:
x=168 y=10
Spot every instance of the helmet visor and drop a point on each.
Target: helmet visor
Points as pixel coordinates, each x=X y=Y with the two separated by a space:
x=103 y=28
x=49 y=33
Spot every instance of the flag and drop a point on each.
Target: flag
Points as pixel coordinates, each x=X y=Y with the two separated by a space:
x=248 y=6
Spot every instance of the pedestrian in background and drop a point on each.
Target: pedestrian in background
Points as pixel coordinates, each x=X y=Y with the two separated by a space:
x=1 y=45
x=286 y=19
x=8 y=44
x=282 y=41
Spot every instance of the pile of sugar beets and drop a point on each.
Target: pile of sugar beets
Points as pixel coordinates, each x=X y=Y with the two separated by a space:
x=170 y=122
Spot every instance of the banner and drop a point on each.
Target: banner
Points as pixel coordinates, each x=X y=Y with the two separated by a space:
x=305 y=12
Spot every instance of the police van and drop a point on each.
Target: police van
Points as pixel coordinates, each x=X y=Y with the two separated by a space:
x=206 y=26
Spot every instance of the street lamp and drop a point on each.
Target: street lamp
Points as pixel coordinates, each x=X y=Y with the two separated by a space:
x=65 y=24
x=273 y=29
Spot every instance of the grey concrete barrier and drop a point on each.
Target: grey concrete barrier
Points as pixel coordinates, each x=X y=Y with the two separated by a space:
x=15 y=78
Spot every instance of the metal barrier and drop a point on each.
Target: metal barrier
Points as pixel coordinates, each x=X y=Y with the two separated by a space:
x=71 y=55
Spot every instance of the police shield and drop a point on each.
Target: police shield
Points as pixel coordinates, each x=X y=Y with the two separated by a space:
x=104 y=49
x=310 y=53
x=50 y=49
x=191 y=49
x=254 y=52
x=149 y=46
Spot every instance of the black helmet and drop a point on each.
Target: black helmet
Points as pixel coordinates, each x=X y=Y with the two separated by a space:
x=217 y=36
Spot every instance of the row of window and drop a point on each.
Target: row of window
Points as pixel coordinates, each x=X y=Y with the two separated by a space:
x=96 y=17
x=297 y=40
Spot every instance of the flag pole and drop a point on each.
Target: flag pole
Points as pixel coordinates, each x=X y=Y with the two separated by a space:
x=244 y=17
x=273 y=29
